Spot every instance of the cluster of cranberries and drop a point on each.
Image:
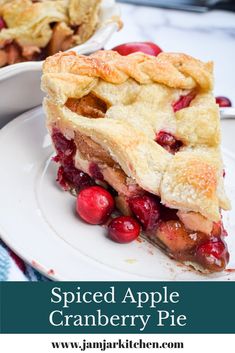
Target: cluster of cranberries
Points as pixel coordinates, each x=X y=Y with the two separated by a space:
x=68 y=175
x=94 y=203
x=95 y=206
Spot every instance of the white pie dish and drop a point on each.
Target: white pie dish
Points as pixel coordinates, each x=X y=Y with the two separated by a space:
x=20 y=83
x=39 y=223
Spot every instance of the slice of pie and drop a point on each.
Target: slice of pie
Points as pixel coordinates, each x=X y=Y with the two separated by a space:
x=34 y=29
x=149 y=129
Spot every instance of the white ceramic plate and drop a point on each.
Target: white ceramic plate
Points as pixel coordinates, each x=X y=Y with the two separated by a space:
x=16 y=81
x=38 y=220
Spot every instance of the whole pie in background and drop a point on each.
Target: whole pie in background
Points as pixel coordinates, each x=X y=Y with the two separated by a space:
x=148 y=129
x=32 y=30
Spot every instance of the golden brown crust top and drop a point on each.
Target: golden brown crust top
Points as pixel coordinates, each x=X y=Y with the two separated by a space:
x=171 y=69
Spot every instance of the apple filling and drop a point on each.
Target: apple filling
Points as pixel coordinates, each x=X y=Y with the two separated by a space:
x=13 y=52
x=64 y=34
x=187 y=237
x=89 y=106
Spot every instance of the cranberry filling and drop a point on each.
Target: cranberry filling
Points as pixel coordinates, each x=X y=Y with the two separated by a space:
x=183 y=101
x=77 y=178
x=147 y=210
x=95 y=172
x=168 y=141
x=2 y=23
x=62 y=179
x=168 y=214
x=64 y=147
x=68 y=176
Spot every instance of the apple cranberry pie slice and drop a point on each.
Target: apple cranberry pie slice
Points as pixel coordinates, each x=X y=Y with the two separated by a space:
x=148 y=129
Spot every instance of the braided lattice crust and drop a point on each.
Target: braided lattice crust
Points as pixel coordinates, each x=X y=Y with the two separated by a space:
x=171 y=69
x=138 y=91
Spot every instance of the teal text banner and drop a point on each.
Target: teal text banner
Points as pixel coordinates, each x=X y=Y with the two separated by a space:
x=118 y=307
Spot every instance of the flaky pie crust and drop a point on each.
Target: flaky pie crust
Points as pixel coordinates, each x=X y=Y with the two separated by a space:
x=139 y=91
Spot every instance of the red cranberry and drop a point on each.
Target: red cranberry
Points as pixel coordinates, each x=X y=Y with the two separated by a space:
x=168 y=214
x=144 y=47
x=183 y=101
x=2 y=23
x=94 y=204
x=123 y=229
x=168 y=141
x=56 y=159
x=146 y=209
x=95 y=171
x=61 y=179
x=213 y=255
x=223 y=101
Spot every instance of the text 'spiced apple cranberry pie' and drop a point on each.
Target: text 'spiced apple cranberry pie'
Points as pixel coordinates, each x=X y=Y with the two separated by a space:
x=148 y=130
x=32 y=30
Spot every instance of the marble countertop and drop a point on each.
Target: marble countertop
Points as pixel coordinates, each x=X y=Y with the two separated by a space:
x=207 y=36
